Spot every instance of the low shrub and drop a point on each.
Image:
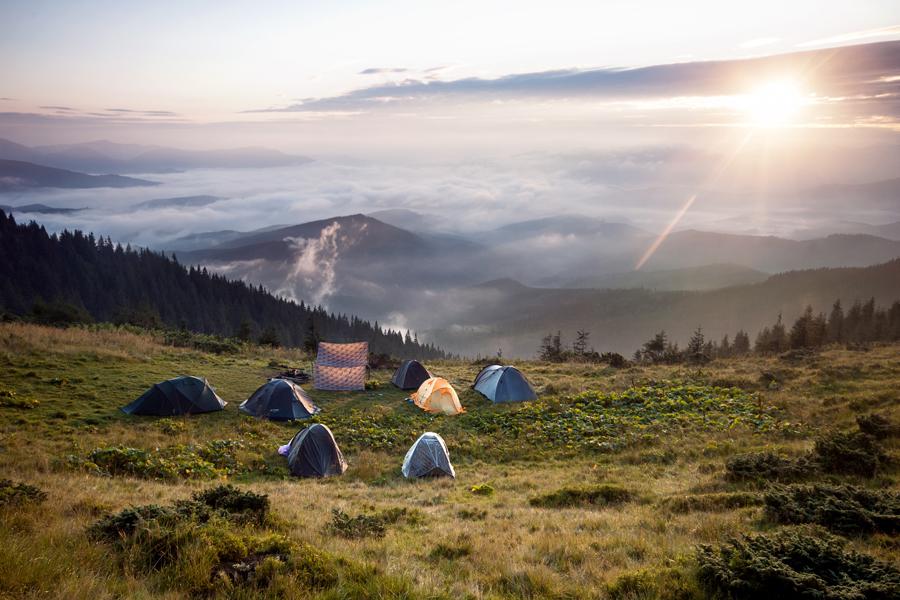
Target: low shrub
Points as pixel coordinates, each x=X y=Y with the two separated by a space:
x=363 y=525
x=14 y=493
x=469 y=514
x=844 y=509
x=852 y=453
x=878 y=426
x=596 y=495
x=482 y=489
x=793 y=564
x=9 y=399
x=767 y=466
x=240 y=505
x=710 y=502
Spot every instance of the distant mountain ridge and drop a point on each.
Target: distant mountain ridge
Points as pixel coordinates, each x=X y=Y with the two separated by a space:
x=103 y=156
x=19 y=175
x=705 y=277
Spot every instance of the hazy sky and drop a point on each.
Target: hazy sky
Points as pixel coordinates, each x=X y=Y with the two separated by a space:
x=115 y=65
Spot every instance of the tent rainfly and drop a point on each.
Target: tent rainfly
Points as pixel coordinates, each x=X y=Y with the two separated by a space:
x=279 y=400
x=410 y=375
x=428 y=457
x=341 y=367
x=436 y=395
x=180 y=396
x=504 y=384
x=314 y=453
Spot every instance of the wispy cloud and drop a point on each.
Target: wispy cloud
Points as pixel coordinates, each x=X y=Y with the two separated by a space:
x=832 y=72
x=51 y=107
x=854 y=36
x=383 y=70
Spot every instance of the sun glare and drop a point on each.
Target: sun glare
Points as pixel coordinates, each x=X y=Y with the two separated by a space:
x=776 y=104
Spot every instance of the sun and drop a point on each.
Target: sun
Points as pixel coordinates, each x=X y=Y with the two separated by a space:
x=775 y=104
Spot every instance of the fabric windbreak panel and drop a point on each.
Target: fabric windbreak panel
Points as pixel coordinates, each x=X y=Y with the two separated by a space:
x=343 y=355
x=340 y=378
x=341 y=367
x=428 y=457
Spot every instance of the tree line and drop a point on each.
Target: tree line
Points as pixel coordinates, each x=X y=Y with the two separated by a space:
x=73 y=276
x=862 y=323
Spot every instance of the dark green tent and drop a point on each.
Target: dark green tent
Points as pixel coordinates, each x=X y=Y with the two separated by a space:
x=179 y=396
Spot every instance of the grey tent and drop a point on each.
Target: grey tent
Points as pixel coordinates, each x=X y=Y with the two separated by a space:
x=410 y=375
x=504 y=384
x=428 y=457
x=314 y=453
x=279 y=400
x=179 y=396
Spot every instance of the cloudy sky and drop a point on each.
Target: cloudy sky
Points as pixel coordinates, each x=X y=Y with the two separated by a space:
x=377 y=76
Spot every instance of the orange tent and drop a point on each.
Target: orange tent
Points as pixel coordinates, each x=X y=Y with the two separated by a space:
x=436 y=395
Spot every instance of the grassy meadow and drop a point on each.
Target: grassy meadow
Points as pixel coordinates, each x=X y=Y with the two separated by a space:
x=604 y=488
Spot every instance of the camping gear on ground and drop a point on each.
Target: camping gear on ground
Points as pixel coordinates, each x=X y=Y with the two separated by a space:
x=180 y=396
x=504 y=384
x=428 y=457
x=436 y=395
x=341 y=367
x=294 y=375
x=314 y=453
x=410 y=375
x=279 y=400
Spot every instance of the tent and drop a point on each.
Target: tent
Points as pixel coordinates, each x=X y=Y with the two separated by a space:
x=428 y=457
x=504 y=384
x=279 y=400
x=436 y=395
x=314 y=453
x=341 y=366
x=410 y=375
x=179 y=396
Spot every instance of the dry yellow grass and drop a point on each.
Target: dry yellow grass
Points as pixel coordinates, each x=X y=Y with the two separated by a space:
x=512 y=548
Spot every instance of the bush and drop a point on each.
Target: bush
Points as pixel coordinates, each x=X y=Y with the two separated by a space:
x=710 y=502
x=59 y=314
x=792 y=564
x=877 y=426
x=596 y=495
x=844 y=509
x=213 y=460
x=854 y=453
x=767 y=466
x=18 y=494
x=171 y=426
x=360 y=526
x=244 y=506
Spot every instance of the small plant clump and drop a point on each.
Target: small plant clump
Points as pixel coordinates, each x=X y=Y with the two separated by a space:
x=845 y=509
x=18 y=493
x=852 y=453
x=363 y=525
x=596 y=495
x=171 y=426
x=794 y=564
x=9 y=399
x=482 y=489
